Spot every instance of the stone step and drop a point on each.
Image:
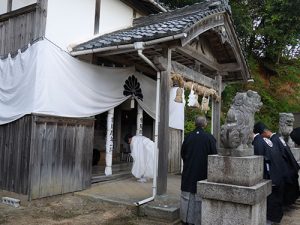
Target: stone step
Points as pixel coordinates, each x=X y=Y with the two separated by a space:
x=99 y=170
x=114 y=176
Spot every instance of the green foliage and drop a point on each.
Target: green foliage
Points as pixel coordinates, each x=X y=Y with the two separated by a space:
x=279 y=93
x=190 y=115
x=267 y=27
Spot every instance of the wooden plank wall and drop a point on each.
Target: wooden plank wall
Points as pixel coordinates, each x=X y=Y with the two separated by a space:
x=61 y=155
x=15 y=140
x=174 y=164
x=20 y=27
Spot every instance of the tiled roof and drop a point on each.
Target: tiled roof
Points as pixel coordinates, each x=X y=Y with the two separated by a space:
x=156 y=26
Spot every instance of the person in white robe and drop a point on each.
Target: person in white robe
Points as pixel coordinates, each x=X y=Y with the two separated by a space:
x=142 y=152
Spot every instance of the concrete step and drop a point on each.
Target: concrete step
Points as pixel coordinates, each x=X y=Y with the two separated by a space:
x=162 y=209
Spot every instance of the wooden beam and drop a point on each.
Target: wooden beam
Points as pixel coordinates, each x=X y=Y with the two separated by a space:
x=188 y=73
x=163 y=129
x=10 y=14
x=189 y=52
x=203 y=25
x=230 y=67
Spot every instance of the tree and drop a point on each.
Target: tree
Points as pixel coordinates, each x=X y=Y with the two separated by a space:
x=269 y=29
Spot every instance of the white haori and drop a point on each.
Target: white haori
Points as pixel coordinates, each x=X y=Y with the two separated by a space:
x=142 y=152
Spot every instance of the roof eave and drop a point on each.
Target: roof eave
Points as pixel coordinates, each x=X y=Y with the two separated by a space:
x=129 y=46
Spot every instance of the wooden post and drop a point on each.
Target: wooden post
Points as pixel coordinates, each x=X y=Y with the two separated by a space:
x=139 y=120
x=163 y=132
x=109 y=142
x=9 y=5
x=216 y=112
x=97 y=17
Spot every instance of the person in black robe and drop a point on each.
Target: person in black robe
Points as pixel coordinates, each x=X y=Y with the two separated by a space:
x=194 y=152
x=291 y=187
x=273 y=170
x=295 y=135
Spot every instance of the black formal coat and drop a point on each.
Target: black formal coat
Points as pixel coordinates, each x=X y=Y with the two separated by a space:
x=194 y=151
x=291 y=189
x=273 y=162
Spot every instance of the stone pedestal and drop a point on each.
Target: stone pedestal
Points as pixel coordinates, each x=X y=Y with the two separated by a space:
x=234 y=192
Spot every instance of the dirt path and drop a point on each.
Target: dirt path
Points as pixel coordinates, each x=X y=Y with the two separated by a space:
x=69 y=210
x=76 y=210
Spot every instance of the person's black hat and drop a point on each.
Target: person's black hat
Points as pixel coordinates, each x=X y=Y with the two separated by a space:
x=127 y=137
x=259 y=127
x=295 y=135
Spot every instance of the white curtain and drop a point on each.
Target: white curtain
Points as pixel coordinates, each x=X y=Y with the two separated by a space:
x=46 y=80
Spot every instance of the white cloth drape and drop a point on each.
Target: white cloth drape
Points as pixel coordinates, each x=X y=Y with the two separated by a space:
x=176 y=109
x=46 y=80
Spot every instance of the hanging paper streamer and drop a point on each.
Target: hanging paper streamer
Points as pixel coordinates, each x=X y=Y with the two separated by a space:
x=205 y=103
x=193 y=98
x=109 y=142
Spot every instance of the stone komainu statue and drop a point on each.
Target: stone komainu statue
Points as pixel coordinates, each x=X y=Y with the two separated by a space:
x=286 y=123
x=237 y=132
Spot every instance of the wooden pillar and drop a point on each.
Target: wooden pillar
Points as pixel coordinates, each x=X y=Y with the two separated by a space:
x=163 y=130
x=109 y=142
x=139 y=120
x=97 y=17
x=216 y=112
x=9 y=5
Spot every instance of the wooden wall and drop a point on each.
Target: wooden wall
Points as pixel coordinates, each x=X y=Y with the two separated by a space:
x=175 y=138
x=43 y=156
x=20 y=27
x=61 y=155
x=15 y=141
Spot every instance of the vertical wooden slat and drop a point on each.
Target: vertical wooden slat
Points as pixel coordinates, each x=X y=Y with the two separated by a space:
x=56 y=170
x=18 y=30
x=174 y=150
x=36 y=159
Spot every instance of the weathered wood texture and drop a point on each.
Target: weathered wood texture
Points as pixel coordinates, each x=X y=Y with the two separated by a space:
x=61 y=155
x=22 y=26
x=43 y=156
x=14 y=155
x=163 y=129
x=175 y=139
x=216 y=112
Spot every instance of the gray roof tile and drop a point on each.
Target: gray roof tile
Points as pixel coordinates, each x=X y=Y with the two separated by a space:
x=155 y=26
